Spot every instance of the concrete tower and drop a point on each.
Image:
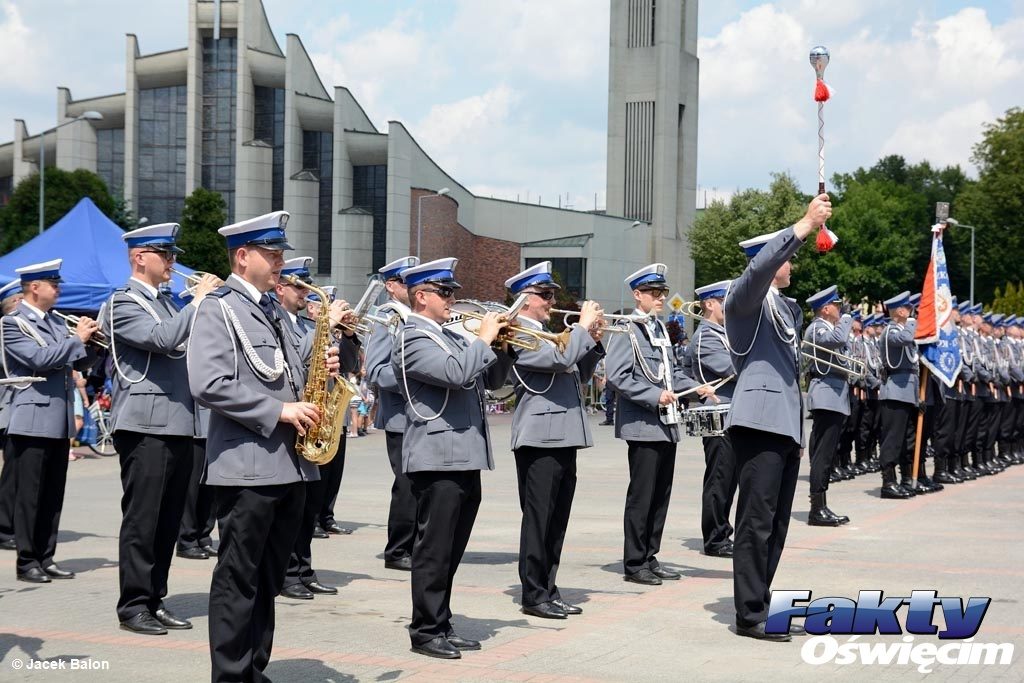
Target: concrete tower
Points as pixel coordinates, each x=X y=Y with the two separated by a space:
x=652 y=127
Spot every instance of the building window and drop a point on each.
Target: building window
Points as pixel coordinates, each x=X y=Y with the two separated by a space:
x=639 y=176
x=268 y=126
x=110 y=158
x=318 y=159
x=640 y=23
x=161 y=191
x=6 y=187
x=218 y=117
x=370 y=192
x=571 y=272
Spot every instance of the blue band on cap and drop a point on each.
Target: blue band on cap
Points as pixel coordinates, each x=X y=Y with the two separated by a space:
x=713 y=294
x=393 y=273
x=42 y=275
x=827 y=301
x=429 y=276
x=152 y=241
x=265 y=236
x=650 y=278
x=539 y=278
x=297 y=272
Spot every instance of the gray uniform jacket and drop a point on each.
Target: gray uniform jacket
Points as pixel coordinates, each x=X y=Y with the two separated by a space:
x=380 y=374
x=443 y=377
x=45 y=409
x=981 y=366
x=829 y=388
x=148 y=395
x=302 y=331
x=246 y=444
x=899 y=363
x=763 y=329
x=708 y=359
x=873 y=379
x=549 y=392
x=636 y=396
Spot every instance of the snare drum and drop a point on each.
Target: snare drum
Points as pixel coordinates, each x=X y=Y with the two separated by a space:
x=706 y=420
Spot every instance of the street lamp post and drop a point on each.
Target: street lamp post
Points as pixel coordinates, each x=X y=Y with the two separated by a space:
x=957 y=224
x=622 y=264
x=85 y=116
x=419 y=215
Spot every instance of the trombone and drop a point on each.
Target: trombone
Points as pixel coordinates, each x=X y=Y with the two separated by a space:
x=191 y=281
x=855 y=367
x=71 y=323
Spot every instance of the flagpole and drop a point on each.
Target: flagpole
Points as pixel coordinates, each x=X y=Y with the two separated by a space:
x=920 y=424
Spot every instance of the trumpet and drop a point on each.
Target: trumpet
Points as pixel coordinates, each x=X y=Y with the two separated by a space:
x=361 y=311
x=511 y=334
x=71 y=323
x=191 y=281
x=855 y=367
x=605 y=318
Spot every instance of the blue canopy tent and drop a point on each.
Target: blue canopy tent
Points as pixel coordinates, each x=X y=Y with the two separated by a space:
x=95 y=258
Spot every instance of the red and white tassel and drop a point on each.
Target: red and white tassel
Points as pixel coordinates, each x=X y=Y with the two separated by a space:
x=826 y=240
x=822 y=92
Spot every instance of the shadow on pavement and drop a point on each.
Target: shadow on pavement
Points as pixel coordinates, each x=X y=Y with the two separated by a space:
x=341 y=579
x=30 y=646
x=306 y=670
x=490 y=558
x=723 y=610
x=485 y=629
x=80 y=565
x=68 y=536
x=188 y=605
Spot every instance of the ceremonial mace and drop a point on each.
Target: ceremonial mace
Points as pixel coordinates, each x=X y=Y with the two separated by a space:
x=819 y=60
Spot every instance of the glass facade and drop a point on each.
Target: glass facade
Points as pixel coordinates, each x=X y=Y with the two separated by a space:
x=161 y=191
x=218 y=112
x=318 y=159
x=571 y=271
x=370 y=192
x=268 y=127
x=6 y=187
x=110 y=159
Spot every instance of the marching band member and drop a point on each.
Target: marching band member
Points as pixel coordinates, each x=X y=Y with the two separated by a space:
x=40 y=418
x=828 y=399
x=10 y=296
x=898 y=397
x=548 y=427
x=644 y=376
x=391 y=414
x=991 y=402
x=765 y=420
x=243 y=366
x=848 y=437
x=709 y=361
x=446 y=443
x=867 y=432
x=153 y=424
x=958 y=461
x=1013 y=332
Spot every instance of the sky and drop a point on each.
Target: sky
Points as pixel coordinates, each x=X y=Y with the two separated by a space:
x=511 y=97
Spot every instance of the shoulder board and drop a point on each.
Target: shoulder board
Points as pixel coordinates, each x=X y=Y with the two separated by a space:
x=220 y=292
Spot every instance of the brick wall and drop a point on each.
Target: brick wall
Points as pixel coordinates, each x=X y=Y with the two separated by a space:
x=484 y=263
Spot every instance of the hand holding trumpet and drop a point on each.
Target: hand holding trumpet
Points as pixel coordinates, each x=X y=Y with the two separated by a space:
x=491 y=326
x=85 y=328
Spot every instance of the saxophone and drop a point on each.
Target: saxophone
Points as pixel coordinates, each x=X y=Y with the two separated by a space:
x=330 y=396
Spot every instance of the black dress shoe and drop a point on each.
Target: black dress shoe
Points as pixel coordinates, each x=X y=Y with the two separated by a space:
x=296 y=591
x=566 y=607
x=402 y=564
x=210 y=550
x=34 y=575
x=55 y=572
x=335 y=528
x=757 y=631
x=193 y=553
x=438 y=647
x=818 y=517
x=145 y=624
x=892 y=491
x=645 y=577
x=606 y=423
x=797 y=630
x=9 y=544
x=666 y=574
x=460 y=643
x=545 y=610
x=320 y=533
x=721 y=551
x=321 y=589
x=168 y=620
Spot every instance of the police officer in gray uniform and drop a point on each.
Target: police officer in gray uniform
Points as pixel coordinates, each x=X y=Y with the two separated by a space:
x=10 y=296
x=708 y=360
x=765 y=421
x=644 y=376
x=40 y=415
x=548 y=427
x=898 y=397
x=446 y=443
x=391 y=413
x=828 y=397
x=153 y=424
x=249 y=374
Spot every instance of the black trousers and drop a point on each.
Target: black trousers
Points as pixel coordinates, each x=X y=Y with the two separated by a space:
x=990 y=422
x=6 y=494
x=975 y=436
x=330 y=475
x=547 y=484
x=402 y=513
x=851 y=428
x=960 y=436
x=944 y=434
x=155 y=472
x=651 y=469
x=898 y=431
x=198 y=517
x=867 y=434
x=257 y=527
x=300 y=562
x=40 y=475
x=1007 y=419
x=446 y=507
x=767 y=467
x=827 y=426
x=718 y=492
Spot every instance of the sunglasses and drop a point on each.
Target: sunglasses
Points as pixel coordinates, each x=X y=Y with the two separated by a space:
x=165 y=255
x=546 y=295
x=656 y=293
x=443 y=292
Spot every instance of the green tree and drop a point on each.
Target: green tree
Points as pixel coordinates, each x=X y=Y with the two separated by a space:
x=1010 y=300
x=19 y=219
x=204 y=213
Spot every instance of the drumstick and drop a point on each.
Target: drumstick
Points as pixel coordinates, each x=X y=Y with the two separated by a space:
x=713 y=385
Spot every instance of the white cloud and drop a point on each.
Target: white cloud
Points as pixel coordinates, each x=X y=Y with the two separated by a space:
x=21 y=52
x=466 y=122
x=945 y=140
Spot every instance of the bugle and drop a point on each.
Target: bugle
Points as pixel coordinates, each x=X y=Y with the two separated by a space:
x=191 y=281
x=606 y=319
x=855 y=367
x=515 y=335
x=71 y=323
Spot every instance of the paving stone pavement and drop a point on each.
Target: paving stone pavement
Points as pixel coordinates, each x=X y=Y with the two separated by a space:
x=965 y=541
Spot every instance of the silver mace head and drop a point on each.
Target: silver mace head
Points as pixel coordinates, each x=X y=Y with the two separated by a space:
x=819 y=60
